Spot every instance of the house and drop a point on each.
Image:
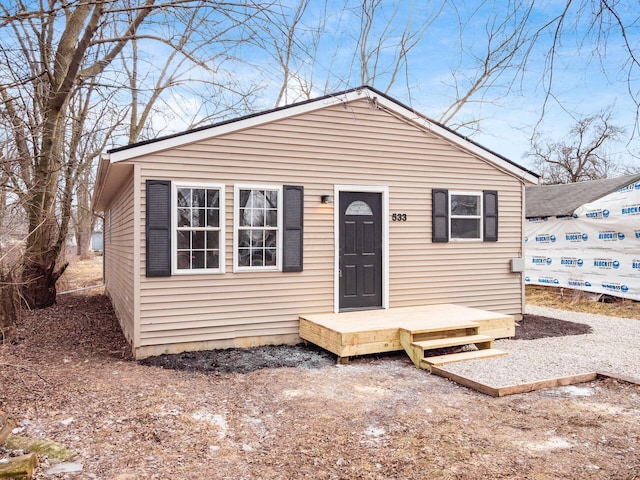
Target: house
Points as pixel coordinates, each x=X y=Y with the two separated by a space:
x=585 y=236
x=223 y=236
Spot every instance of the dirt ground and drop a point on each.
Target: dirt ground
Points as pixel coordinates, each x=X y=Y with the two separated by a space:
x=69 y=378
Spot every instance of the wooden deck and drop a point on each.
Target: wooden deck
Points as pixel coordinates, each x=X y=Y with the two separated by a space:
x=375 y=331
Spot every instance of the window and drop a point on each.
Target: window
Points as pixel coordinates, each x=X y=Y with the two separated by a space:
x=466 y=215
x=184 y=228
x=199 y=228
x=258 y=220
x=358 y=208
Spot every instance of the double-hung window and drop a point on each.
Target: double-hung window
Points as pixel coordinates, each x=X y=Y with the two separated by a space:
x=258 y=232
x=466 y=215
x=463 y=216
x=198 y=228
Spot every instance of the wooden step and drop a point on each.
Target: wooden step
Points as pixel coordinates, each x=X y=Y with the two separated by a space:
x=482 y=341
x=442 y=327
x=438 y=360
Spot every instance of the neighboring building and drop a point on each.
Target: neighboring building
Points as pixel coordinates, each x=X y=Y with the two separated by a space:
x=222 y=236
x=96 y=242
x=585 y=236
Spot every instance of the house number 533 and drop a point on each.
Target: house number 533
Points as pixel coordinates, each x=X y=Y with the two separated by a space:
x=399 y=217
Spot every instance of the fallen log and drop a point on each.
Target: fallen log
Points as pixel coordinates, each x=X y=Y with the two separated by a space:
x=18 y=467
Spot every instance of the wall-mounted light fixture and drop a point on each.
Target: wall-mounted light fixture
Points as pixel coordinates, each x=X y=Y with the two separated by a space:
x=326 y=199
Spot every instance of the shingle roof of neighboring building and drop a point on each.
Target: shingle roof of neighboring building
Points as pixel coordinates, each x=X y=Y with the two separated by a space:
x=559 y=200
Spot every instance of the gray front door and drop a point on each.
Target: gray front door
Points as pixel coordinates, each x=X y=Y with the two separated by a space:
x=360 y=254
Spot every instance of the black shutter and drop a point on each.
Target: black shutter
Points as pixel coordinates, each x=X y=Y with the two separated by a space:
x=490 y=215
x=293 y=213
x=440 y=215
x=158 y=228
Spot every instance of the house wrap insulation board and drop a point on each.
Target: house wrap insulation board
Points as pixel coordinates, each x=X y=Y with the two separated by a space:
x=597 y=249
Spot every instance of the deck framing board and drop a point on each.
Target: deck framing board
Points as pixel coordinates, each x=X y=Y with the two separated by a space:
x=378 y=331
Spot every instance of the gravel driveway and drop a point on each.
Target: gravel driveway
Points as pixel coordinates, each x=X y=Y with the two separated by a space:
x=612 y=348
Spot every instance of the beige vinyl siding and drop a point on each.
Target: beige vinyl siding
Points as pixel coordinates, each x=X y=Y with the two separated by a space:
x=334 y=146
x=119 y=258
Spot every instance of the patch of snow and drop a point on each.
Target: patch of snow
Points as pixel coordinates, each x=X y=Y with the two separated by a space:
x=67 y=467
x=292 y=393
x=554 y=443
x=374 y=431
x=214 y=419
x=67 y=421
x=572 y=391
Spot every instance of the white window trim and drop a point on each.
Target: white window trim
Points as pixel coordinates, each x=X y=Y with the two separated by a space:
x=236 y=225
x=480 y=216
x=174 y=229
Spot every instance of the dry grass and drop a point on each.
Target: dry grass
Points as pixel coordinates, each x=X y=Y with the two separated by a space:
x=578 y=301
x=81 y=274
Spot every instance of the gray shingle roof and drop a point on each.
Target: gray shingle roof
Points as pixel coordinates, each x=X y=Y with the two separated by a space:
x=558 y=200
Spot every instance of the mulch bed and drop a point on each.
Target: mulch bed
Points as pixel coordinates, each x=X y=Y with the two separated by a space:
x=532 y=327
x=244 y=360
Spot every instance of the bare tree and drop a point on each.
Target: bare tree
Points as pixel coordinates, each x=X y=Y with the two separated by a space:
x=379 y=37
x=581 y=155
x=91 y=121
x=51 y=52
x=386 y=38
x=290 y=40
x=602 y=31
x=494 y=67
x=285 y=51
x=54 y=53
x=193 y=69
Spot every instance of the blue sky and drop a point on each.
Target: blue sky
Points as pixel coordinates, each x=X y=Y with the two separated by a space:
x=584 y=81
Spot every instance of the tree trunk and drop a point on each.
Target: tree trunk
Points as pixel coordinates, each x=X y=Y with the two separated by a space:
x=9 y=307
x=39 y=284
x=83 y=240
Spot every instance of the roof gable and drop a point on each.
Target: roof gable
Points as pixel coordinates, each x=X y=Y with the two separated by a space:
x=375 y=97
x=117 y=164
x=563 y=200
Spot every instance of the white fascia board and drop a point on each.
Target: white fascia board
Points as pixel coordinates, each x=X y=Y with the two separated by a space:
x=233 y=126
x=104 y=166
x=436 y=129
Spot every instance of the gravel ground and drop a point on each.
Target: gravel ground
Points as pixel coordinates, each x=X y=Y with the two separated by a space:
x=611 y=348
